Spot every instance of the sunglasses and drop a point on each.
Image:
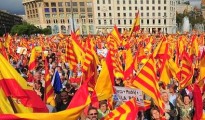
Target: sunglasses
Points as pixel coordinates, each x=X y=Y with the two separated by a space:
x=93 y=113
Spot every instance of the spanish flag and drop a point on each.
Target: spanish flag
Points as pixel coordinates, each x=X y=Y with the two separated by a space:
x=15 y=87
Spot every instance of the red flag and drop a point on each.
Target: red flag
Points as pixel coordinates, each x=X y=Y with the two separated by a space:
x=198 y=104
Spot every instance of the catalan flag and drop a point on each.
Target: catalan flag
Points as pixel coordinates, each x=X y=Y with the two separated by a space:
x=126 y=111
x=146 y=81
x=116 y=36
x=49 y=92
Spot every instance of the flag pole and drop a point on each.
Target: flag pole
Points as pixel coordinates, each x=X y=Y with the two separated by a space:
x=12 y=104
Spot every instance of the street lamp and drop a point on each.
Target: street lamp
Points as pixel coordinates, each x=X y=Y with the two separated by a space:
x=82 y=24
x=72 y=15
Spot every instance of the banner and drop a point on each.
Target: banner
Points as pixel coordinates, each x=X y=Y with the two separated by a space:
x=125 y=94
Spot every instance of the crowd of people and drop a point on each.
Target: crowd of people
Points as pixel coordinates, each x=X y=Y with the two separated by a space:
x=178 y=102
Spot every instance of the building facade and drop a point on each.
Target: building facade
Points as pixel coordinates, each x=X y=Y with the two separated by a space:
x=94 y=16
x=203 y=7
x=61 y=16
x=155 y=15
x=7 y=21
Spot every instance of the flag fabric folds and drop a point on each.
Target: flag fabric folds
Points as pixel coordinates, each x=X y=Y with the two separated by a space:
x=14 y=86
x=126 y=111
x=146 y=81
x=56 y=82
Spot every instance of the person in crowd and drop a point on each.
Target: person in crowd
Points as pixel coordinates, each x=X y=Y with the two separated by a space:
x=185 y=108
x=119 y=82
x=103 y=109
x=92 y=113
x=39 y=89
x=71 y=91
x=64 y=101
x=172 y=94
x=155 y=114
x=170 y=110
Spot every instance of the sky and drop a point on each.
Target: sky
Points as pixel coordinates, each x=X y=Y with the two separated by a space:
x=12 y=6
x=16 y=7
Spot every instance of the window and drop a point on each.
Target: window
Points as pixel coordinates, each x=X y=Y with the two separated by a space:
x=124 y=14
x=147 y=21
x=109 y=1
x=153 y=8
x=103 y=1
x=46 y=9
x=68 y=10
x=135 y=1
x=147 y=1
x=99 y=22
x=53 y=4
x=89 y=9
x=118 y=8
x=118 y=14
x=130 y=8
x=110 y=22
x=153 y=1
x=165 y=2
x=135 y=8
x=159 y=21
x=141 y=1
x=110 y=14
x=60 y=4
x=61 y=10
x=54 y=10
x=98 y=8
x=82 y=4
x=165 y=21
x=98 y=14
x=98 y=1
x=123 y=1
x=118 y=1
x=142 y=21
x=61 y=15
x=119 y=22
x=130 y=2
x=75 y=9
x=147 y=14
x=130 y=14
x=75 y=4
x=165 y=7
x=82 y=9
x=124 y=22
x=147 y=8
x=104 y=14
x=141 y=8
x=130 y=22
x=159 y=8
x=47 y=15
x=109 y=7
x=124 y=8
x=67 y=3
x=105 y=22
x=159 y=14
x=46 y=4
x=153 y=14
x=141 y=14
x=159 y=1
x=153 y=21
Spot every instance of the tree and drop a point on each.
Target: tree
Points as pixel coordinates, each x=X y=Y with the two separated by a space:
x=28 y=29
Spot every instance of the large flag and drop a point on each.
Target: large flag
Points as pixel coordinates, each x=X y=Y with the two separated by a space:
x=14 y=86
x=56 y=82
x=202 y=68
x=116 y=36
x=186 y=71
x=49 y=92
x=126 y=111
x=71 y=57
x=198 y=103
x=147 y=82
x=136 y=24
x=104 y=85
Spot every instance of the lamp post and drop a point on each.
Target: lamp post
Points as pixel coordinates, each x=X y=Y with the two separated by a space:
x=72 y=15
x=82 y=24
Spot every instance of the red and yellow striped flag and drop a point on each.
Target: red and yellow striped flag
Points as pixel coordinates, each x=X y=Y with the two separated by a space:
x=186 y=71
x=49 y=92
x=136 y=24
x=71 y=56
x=126 y=111
x=15 y=86
x=147 y=82
x=116 y=36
